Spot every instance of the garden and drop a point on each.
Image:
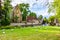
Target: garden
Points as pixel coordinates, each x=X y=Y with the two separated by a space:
x=20 y=23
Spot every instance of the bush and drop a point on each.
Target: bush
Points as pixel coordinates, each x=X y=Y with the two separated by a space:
x=5 y=22
x=9 y=27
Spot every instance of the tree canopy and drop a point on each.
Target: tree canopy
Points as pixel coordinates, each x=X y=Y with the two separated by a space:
x=40 y=17
x=5 y=10
x=25 y=10
x=55 y=6
x=32 y=14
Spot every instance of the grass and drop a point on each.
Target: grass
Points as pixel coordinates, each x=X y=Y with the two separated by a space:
x=31 y=33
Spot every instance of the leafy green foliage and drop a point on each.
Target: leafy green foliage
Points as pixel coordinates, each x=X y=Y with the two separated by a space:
x=40 y=17
x=51 y=20
x=16 y=18
x=32 y=14
x=6 y=9
x=24 y=9
x=45 y=19
x=56 y=7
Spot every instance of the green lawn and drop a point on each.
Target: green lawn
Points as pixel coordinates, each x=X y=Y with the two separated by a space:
x=31 y=33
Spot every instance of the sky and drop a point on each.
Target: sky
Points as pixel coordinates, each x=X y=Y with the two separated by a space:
x=38 y=6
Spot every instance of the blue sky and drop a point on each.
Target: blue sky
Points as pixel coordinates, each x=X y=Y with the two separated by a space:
x=39 y=6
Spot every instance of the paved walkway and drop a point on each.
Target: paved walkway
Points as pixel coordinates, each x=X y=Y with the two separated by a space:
x=23 y=24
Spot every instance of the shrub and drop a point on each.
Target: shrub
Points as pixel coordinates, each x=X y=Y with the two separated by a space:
x=5 y=22
x=9 y=27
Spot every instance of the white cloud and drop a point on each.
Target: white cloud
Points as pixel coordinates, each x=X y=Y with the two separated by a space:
x=42 y=12
x=39 y=4
x=30 y=2
x=14 y=2
x=51 y=0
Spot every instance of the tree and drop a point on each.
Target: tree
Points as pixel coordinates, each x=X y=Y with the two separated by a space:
x=51 y=20
x=55 y=6
x=40 y=17
x=45 y=21
x=5 y=10
x=25 y=10
x=32 y=14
